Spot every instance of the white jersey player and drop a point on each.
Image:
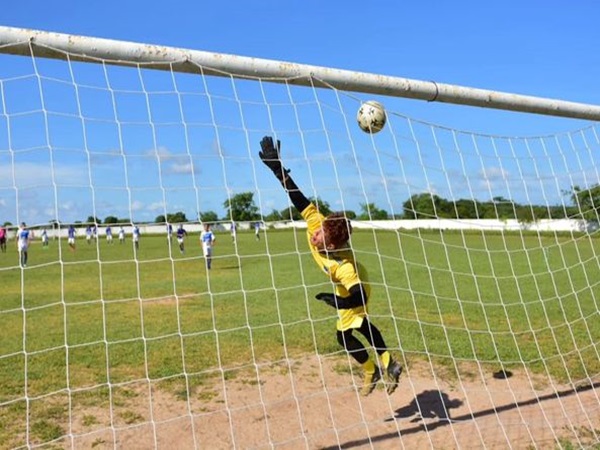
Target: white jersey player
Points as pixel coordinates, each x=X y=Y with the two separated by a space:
x=207 y=238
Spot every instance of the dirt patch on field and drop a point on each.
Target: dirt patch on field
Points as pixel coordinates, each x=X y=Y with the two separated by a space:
x=314 y=404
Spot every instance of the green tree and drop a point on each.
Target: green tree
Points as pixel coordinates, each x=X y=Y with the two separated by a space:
x=487 y=210
x=505 y=208
x=290 y=213
x=587 y=201
x=208 y=216
x=372 y=212
x=92 y=219
x=466 y=209
x=525 y=214
x=540 y=212
x=160 y=219
x=561 y=212
x=241 y=207
x=322 y=205
x=273 y=216
x=421 y=206
x=178 y=217
x=350 y=214
x=111 y=219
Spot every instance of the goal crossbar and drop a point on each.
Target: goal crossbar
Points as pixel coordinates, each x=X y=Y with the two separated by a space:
x=19 y=41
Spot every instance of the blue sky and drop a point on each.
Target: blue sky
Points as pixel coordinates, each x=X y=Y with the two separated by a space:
x=136 y=144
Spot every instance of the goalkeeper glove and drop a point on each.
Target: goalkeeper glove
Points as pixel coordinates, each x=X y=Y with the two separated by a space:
x=334 y=300
x=357 y=297
x=270 y=156
x=326 y=298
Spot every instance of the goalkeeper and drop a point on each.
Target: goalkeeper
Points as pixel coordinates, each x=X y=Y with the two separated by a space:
x=328 y=242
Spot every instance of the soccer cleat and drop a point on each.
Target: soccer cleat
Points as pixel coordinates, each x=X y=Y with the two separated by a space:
x=393 y=372
x=370 y=381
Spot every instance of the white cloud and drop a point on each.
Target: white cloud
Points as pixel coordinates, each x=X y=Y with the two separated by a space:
x=269 y=204
x=494 y=174
x=156 y=206
x=494 y=180
x=68 y=206
x=137 y=205
x=106 y=158
x=23 y=175
x=163 y=153
x=178 y=163
x=181 y=168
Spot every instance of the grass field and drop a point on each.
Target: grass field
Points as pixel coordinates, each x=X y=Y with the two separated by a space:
x=76 y=322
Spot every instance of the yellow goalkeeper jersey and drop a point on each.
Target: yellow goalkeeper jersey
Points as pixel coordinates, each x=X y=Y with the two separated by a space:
x=341 y=268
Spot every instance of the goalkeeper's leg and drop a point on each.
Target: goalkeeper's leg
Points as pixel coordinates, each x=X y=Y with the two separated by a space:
x=393 y=369
x=372 y=373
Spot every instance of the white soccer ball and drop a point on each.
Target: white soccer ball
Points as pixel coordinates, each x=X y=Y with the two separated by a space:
x=371 y=117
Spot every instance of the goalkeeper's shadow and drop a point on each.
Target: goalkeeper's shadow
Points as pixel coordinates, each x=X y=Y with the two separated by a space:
x=428 y=404
x=432 y=404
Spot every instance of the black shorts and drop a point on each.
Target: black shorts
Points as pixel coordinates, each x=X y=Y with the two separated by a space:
x=3 y=240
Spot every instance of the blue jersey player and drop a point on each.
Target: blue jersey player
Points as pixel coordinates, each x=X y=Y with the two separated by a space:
x=181 y=234
x=71 y=237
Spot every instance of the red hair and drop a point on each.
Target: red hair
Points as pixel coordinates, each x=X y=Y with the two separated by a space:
x=337 y=229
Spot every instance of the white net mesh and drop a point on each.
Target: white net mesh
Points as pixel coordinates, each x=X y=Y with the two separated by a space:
x=482 y=253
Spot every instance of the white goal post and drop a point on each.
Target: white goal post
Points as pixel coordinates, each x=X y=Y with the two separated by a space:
x=79 y=48
x=482 y=253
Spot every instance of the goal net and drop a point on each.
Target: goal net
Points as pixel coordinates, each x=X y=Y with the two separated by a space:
x=481 y=251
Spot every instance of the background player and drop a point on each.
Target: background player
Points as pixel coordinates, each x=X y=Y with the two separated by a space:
x=23 y=240
x=328 y=242
x=44 y=239
x=233 y=231
x=2 y=239
x=109 y=236
x=181 y=234
x=207 y=238
x=121 y=235
x=257 y=231
x=88 y=234
x=136 y=237
x=71 y=237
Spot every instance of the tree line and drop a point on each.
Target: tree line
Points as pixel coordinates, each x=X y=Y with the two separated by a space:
x=585 y=205
x=242 y=208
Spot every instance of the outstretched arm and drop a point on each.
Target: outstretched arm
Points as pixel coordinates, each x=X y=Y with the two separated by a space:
x=270 y=156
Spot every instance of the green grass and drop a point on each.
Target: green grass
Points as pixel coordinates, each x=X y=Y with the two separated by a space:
x=100 y=316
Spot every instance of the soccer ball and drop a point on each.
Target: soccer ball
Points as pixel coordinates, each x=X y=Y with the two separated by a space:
x=371 y=117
